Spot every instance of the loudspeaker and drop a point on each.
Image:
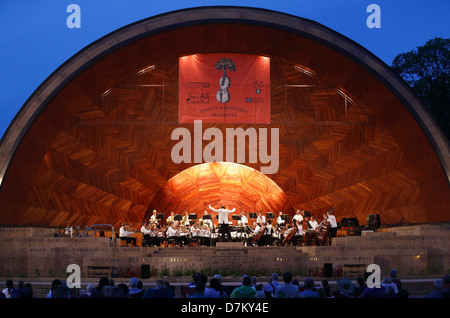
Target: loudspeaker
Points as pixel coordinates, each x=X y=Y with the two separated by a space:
x=145 y=271
x=328 y=270
x=373 y=220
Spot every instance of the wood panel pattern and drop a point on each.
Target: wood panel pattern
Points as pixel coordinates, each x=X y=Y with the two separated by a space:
x=100 y=151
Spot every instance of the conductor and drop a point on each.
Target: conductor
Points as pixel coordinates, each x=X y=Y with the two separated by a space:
x=223 y=220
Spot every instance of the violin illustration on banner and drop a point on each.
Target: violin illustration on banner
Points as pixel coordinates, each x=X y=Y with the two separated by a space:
x=223 y=96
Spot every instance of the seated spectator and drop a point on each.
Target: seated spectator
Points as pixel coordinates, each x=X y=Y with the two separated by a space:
x=395 y=280
x=216 y=289
x=199 y=291
x=345 y=289
x=271 y=286
x=437 y=293
x=136 y=290
x=112 y=291
x=324 y=291
x=160 y=291
x=286 y=290
x=389 y=289
x=245 y=290
x=9 y=288
x=309 y=291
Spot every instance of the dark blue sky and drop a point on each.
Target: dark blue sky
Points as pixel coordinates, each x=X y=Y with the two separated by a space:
x=35 y=40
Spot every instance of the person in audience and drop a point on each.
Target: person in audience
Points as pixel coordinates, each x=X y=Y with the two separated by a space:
x=345 y=289
x=161 y=290
x=309 y=291
x=216 y=289
x=287 y=289
x=199 y=291
x=245 y=290
x=437 y=293
x=9 y=288
x=136 y=290
x=325 y=290
x=271 y=286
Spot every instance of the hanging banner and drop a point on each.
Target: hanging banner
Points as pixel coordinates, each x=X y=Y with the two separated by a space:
x=224 y=88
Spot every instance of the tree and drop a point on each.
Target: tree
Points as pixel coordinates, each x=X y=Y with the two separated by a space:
x=427 y=70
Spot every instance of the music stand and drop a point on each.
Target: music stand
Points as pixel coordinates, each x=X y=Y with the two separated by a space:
x=253 y=215
x=236 y=217
x=270 y=215
x=307 y=214
x=159 y=216
x=192 y=216
x=206 y=217
x=178 y=217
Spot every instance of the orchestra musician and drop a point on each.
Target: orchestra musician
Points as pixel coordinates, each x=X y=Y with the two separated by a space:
x=177 y=233
x=261 y=218
x=244 y=220
x=298 y=216
x=333 y=223
x=206 y=220
x=313 y=225
x=185 y=219
x=266 y=239
x=126 y=234
x=153 y=218
x=280 y=220
x=145 y=230
x=223 y=220
x=171 y=218
x=298 y=237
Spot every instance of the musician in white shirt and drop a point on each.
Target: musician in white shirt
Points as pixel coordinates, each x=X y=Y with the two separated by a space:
x=333 y=223
x=261 y=218
x=153 y=218
x=313 y=223
x=207 y=221
x=223 y=220
x=280 y=220
x=244 y=220
x=298 y=216
x=126 y=233
x=298 y=227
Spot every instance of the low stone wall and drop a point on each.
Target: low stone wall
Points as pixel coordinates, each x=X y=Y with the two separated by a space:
x=412 y=250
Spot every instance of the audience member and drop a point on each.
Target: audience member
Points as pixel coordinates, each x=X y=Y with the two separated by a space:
x=245 y=290
x=389 y=289
x=271 y=286
x=55 y=282
x=112 y=291
x=395 y=280
x=360 y=286
x=199 y=291
x=345 y=289
x=287 y=289
x=161 y=290
x=324 y=291
x=136 y=290
x=446 y=286
x=437 y=293
x=9 y=288
x=216 y=289
x=309 y=291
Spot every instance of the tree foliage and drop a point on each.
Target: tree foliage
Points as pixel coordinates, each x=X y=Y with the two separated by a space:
x=427 y=70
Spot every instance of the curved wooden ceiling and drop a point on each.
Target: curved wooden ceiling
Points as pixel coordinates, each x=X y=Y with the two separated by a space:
x=100 y=150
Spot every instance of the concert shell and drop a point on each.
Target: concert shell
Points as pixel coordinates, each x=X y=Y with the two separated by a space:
x=92 y=144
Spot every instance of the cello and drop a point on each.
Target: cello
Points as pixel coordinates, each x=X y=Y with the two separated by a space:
x=323 y=233
x=290 y=235
x=257 y=237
